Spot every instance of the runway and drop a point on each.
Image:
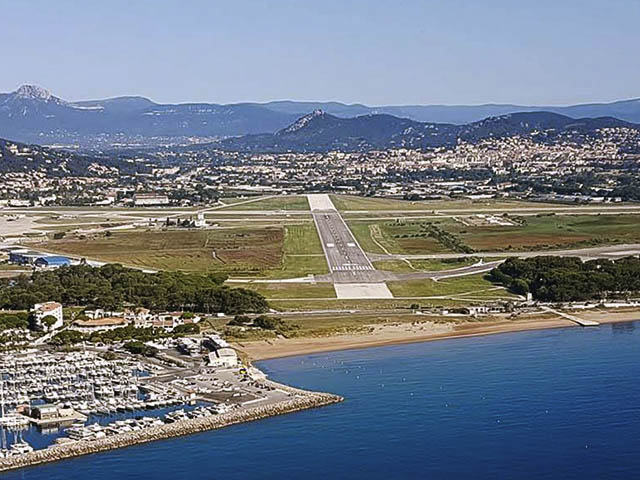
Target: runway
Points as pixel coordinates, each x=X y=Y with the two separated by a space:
x=348 y=264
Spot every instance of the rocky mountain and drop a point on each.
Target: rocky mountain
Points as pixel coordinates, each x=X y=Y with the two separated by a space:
x=320 y=131
x=32 y=114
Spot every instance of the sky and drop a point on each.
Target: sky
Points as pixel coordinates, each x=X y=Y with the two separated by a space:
x=377 y=52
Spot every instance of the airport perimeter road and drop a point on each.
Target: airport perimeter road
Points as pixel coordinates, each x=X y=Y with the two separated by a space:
x=347 y=262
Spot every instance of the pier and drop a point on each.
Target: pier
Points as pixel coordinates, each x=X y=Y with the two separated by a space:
x=580 y=321
x=300 y=400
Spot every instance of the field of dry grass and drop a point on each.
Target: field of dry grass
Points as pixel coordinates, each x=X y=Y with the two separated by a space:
x=238 y=249
x=255 y=251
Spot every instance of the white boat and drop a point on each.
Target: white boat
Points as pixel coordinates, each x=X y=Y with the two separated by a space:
x=14 y=420
x=20 y=448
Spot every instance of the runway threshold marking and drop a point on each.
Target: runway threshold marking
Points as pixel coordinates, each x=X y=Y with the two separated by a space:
x=320 y=203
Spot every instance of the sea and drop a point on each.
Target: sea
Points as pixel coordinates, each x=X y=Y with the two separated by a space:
x=548 y=404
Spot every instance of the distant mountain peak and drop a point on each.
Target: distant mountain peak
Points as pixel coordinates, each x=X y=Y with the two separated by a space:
x=34 y=92
x=304 y=121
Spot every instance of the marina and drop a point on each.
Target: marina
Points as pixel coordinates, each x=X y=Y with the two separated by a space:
x=147 y=429
x=64 y=403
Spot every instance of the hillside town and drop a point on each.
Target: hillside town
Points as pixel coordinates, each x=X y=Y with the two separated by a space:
x=575 y=168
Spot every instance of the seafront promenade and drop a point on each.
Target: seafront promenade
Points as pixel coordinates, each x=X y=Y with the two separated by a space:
x=299 y=400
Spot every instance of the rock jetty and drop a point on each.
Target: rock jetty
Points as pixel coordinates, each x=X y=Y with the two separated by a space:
x=300 y=400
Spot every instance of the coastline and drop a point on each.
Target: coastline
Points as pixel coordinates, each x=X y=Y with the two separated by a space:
x=399 y=334
x=422 y=330
x=300 y=400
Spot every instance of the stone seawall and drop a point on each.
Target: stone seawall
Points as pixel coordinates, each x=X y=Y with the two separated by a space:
x=302 y=401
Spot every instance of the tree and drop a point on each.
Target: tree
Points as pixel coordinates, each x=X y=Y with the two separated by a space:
x=520 y=286
x=139 y=348
x=49 y=321
x=239 y=320
x=187 y=329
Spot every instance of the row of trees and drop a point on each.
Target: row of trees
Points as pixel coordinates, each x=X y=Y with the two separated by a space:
x=563 y=279
x=112 y=286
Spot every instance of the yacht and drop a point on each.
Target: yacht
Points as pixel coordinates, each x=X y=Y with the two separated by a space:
x=20 y=448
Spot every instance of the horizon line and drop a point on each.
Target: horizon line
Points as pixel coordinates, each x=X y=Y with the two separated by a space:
x=341 y=102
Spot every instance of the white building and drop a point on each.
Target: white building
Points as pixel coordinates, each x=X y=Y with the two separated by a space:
x=223 y=358
x=42 y=310
x=141 y=317
x=146 y=199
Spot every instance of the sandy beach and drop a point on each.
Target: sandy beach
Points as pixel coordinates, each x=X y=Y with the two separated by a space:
x=422 y=331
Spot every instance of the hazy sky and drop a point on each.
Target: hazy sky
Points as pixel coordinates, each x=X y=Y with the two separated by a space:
x=367 y=51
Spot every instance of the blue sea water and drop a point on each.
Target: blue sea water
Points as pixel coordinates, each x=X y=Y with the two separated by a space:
x=551 y=404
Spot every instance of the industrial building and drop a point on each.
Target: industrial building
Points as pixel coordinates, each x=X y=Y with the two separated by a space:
x=53 y=261
x=23 y=256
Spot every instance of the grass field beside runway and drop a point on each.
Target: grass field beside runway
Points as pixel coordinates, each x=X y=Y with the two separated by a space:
x=352 y=202
x=398 y=237
x=282 y=202
x=551 y=231
x=476 y=286
x=426 y=265
x=536 y=232
x=240 y=249
x=254 y=251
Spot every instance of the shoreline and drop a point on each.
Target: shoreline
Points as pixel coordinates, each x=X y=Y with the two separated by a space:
x=261 y=350
x=300 y=400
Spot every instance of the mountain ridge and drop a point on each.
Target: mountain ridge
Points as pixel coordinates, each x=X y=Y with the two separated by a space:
x=320 y=131
x=32 y=114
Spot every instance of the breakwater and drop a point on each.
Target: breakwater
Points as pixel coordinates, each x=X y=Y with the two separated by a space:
x=301 y=400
